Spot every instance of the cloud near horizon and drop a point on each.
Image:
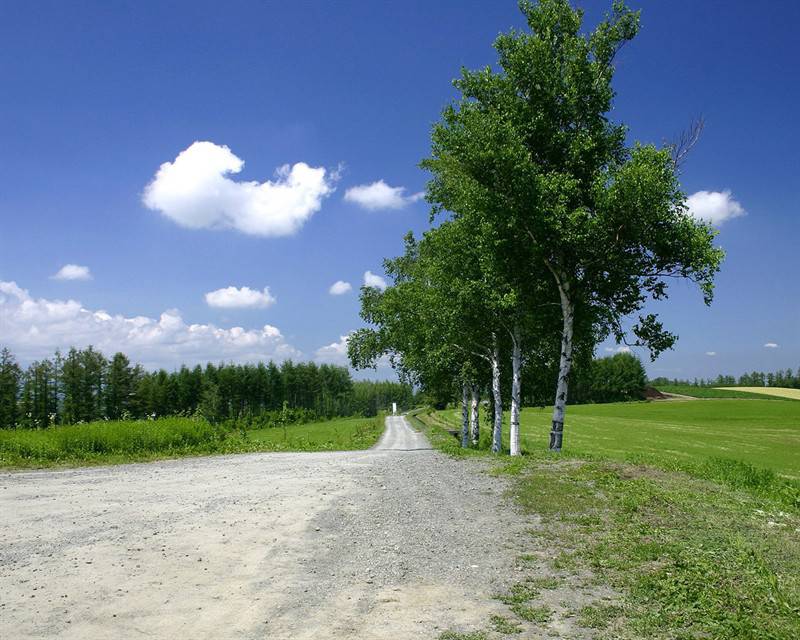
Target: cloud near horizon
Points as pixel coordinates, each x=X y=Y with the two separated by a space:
x=195 y=191
x=714 y=206
x=72 y=272
x=621 y=349
x=240 y=298
x=379 y=195
x=33 y=328
x=334 y=353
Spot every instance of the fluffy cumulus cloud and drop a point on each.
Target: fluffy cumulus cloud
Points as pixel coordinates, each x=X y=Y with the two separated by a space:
x=380 y=195
x=714 y=206
x=34 y=327
x=196 y=191
x=711 y=353
x=73 y=272
x=621 y=349
x=336 y=353
x=240 y=298
x=374 y=280
x=771 y=345
x=333 y=353
x=340 y=287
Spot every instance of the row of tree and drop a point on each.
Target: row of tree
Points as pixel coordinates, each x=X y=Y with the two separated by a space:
x=83 y=385
x=553 y=229
x=780 y=378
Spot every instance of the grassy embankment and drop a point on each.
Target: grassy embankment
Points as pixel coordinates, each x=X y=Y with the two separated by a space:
x=773 y=392
x=753 y=393
x=142 y=440
x=701 y=542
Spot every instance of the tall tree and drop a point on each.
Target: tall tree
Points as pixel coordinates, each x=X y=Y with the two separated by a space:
x=530 y=151
x=10 y=376
x=120 y=387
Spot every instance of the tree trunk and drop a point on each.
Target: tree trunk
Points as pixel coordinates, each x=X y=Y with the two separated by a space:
x=516 y=382
x=464 y=415
x=497 y=432
x=565 y=365
x=474 y=416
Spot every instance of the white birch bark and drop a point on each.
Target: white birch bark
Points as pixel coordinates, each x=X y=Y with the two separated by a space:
x=464 y=415
x=474 y=416
x=516 y=383
x=565 y=364
x=497 y=432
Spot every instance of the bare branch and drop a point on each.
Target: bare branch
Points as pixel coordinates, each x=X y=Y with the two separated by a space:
x=689 y=137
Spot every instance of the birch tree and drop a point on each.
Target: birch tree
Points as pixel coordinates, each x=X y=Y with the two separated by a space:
x=409 y=326
x=530 y=151
x=439 y=317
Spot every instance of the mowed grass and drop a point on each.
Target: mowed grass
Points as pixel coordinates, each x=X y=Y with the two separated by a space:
x=778 y=392
x=114 y=442
x=672 y=555
x=763 y=433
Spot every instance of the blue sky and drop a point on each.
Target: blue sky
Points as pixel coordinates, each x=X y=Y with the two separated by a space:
x=97 y=96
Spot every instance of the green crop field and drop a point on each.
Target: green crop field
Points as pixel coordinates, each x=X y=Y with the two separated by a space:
x=763 y=433
x=114 y=442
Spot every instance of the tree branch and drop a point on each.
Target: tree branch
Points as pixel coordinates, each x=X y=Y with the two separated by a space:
x=688 y=138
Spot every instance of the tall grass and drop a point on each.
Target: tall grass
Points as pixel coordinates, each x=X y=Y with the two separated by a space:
x=132 y=440
x=103 y=438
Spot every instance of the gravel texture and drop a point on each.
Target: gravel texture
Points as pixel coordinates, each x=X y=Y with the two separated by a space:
x=395 y=542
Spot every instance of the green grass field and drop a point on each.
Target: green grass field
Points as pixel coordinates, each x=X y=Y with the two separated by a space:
x=117 y=442
x=700 y=541
x=344 y=434
x=763 y=433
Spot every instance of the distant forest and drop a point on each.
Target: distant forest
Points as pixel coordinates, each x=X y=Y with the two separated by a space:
x=83 y=385
x=780 y=378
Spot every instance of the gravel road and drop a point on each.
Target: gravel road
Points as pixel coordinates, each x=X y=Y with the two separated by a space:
x=395 y=542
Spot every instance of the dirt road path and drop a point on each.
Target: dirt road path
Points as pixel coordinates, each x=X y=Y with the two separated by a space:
x=396 y=542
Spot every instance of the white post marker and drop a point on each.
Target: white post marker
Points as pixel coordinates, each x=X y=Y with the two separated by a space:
x=394 y=408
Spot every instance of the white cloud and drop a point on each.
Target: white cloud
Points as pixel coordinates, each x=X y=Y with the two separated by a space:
x=340 y=287
x=711 y=353
x=73 y=272
x=34 y=328
x=714 y=206
x=379 y=195
x=244 y=298
x=771 y=345
x=334 y=353
x=374 y=280
x=621 y=349
x=195 y=191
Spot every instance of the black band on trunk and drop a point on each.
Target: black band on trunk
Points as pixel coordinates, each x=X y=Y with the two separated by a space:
x=556 y=435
